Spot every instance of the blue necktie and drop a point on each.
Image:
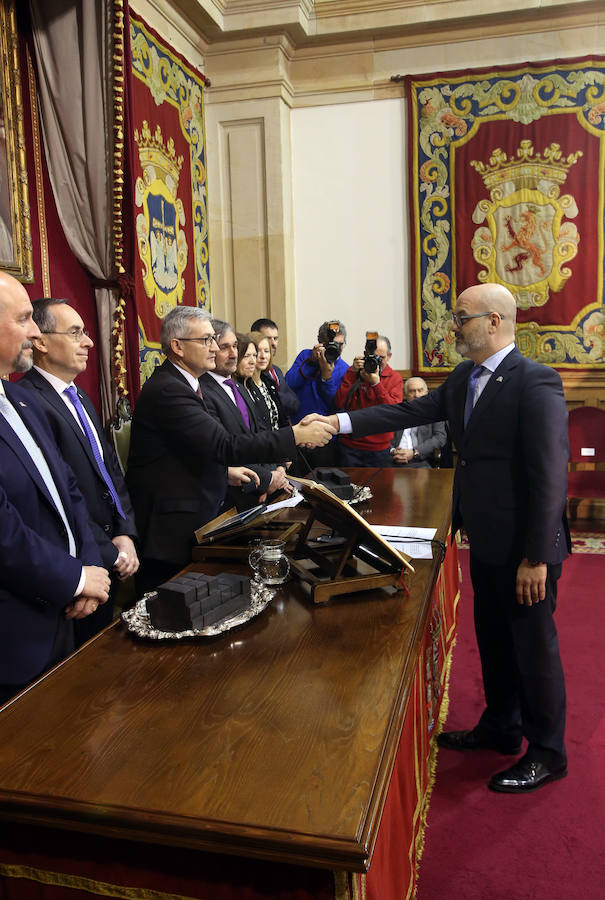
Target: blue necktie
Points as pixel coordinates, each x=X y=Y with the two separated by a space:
x=77 y=404
x=470 y=392
x=241 y=403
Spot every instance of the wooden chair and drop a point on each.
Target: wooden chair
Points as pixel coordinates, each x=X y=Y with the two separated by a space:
x=587 y=462
x=120 y=432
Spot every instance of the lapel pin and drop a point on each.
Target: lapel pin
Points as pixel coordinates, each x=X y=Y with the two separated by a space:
x=499 y=378
x=22 y=404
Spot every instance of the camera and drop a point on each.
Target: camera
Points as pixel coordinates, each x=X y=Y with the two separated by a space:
x=371 y=361
x=333 y=349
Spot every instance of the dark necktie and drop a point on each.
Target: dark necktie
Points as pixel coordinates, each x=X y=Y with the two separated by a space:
x=239 y=400
x=77 y=404
x=470 y=392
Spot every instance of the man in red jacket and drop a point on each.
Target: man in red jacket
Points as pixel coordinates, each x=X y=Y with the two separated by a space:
x=370 y=381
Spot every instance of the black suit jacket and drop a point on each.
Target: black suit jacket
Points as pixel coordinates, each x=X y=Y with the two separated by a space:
x=177 y=472
x=510 y=484
x=230 y=417
x=75 y=449
x=39 y=577
x=288 y=398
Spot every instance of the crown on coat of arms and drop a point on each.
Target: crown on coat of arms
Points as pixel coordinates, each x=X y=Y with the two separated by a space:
x=153 y=152
x=527 y=170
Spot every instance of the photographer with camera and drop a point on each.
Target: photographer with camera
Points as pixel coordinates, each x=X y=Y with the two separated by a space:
x=315 y=376
x=370 y=381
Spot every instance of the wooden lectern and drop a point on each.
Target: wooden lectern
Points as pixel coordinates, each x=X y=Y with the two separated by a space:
x=355 y=558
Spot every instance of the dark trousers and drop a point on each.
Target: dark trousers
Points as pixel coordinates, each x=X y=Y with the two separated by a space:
x=354 y=457
x=522 y=672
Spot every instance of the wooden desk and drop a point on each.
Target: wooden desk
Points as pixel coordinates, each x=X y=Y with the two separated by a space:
x=275 y=742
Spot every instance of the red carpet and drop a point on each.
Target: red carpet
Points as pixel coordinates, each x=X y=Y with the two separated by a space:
x=550 y=844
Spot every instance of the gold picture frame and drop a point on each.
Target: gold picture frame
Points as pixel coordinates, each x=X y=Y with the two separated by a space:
x=16 y=255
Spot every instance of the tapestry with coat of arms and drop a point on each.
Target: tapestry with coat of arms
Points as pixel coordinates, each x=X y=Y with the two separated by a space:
x=170 y=193
x=507 y=172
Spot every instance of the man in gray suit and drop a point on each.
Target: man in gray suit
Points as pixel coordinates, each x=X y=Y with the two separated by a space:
x=415 y=447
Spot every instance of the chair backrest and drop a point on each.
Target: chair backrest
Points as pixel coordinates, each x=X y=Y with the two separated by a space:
x=121 y=441
x=119 y=430
x=587 y=435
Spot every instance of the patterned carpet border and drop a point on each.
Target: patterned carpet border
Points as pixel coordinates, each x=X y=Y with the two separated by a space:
x=582 y=542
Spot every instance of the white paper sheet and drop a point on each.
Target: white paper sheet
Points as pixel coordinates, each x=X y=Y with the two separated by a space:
x=414 y=542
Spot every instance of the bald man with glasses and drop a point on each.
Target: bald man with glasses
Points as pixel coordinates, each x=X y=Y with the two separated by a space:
x=508 y=419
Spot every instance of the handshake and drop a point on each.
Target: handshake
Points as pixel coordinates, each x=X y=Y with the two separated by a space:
x=315 y=430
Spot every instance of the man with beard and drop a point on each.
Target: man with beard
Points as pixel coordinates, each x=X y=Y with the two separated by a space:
x=50 y=563
x=508 y=419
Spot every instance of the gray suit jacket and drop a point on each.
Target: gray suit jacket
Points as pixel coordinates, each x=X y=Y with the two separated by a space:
x=429 y=438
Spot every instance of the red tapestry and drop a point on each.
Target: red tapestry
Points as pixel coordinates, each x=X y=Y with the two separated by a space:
x=507 y=186
x=170 y=202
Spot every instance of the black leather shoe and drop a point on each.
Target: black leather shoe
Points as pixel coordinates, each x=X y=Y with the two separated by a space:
x=475 y=740
x=525 y=776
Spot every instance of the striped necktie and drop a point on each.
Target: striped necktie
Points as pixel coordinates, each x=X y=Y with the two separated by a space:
x=83 y=419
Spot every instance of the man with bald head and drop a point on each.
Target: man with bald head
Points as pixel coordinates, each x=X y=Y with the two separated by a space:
x=415 y=447
x=50 y=564
x=508 y=420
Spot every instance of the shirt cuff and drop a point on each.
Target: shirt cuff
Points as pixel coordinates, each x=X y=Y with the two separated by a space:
x=81 y=584
x=344 y=423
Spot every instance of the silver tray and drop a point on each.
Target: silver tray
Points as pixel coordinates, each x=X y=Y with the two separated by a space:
x=137 y=618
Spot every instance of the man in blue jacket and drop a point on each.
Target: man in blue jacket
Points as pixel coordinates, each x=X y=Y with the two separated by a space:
x=315 y=377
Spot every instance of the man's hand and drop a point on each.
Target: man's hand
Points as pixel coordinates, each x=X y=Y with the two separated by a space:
x=80 y=608
x=314 y=431
x=402 y=455
x=531 y=583
x=94 y=593
x=370 y=378
x=96 y=584
x=279 y=482
x=127 y=562
x=238 y=475
x=318 y=356
x=316 y=417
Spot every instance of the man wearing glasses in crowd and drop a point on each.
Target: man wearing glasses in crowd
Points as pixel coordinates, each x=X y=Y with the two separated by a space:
x=508 y=420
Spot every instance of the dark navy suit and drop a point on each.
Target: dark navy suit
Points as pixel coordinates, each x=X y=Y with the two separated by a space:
x=39 y=577
x=104 y=520
x=225 y=410
x=510 y=488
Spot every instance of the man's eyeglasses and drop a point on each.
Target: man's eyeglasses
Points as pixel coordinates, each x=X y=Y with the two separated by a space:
x=459 y=321
x=76 y=334
x=206 y=339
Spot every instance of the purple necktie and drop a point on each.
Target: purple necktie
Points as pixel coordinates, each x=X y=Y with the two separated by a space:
x=470 y=392
x=241 y=403
x=77 y=404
